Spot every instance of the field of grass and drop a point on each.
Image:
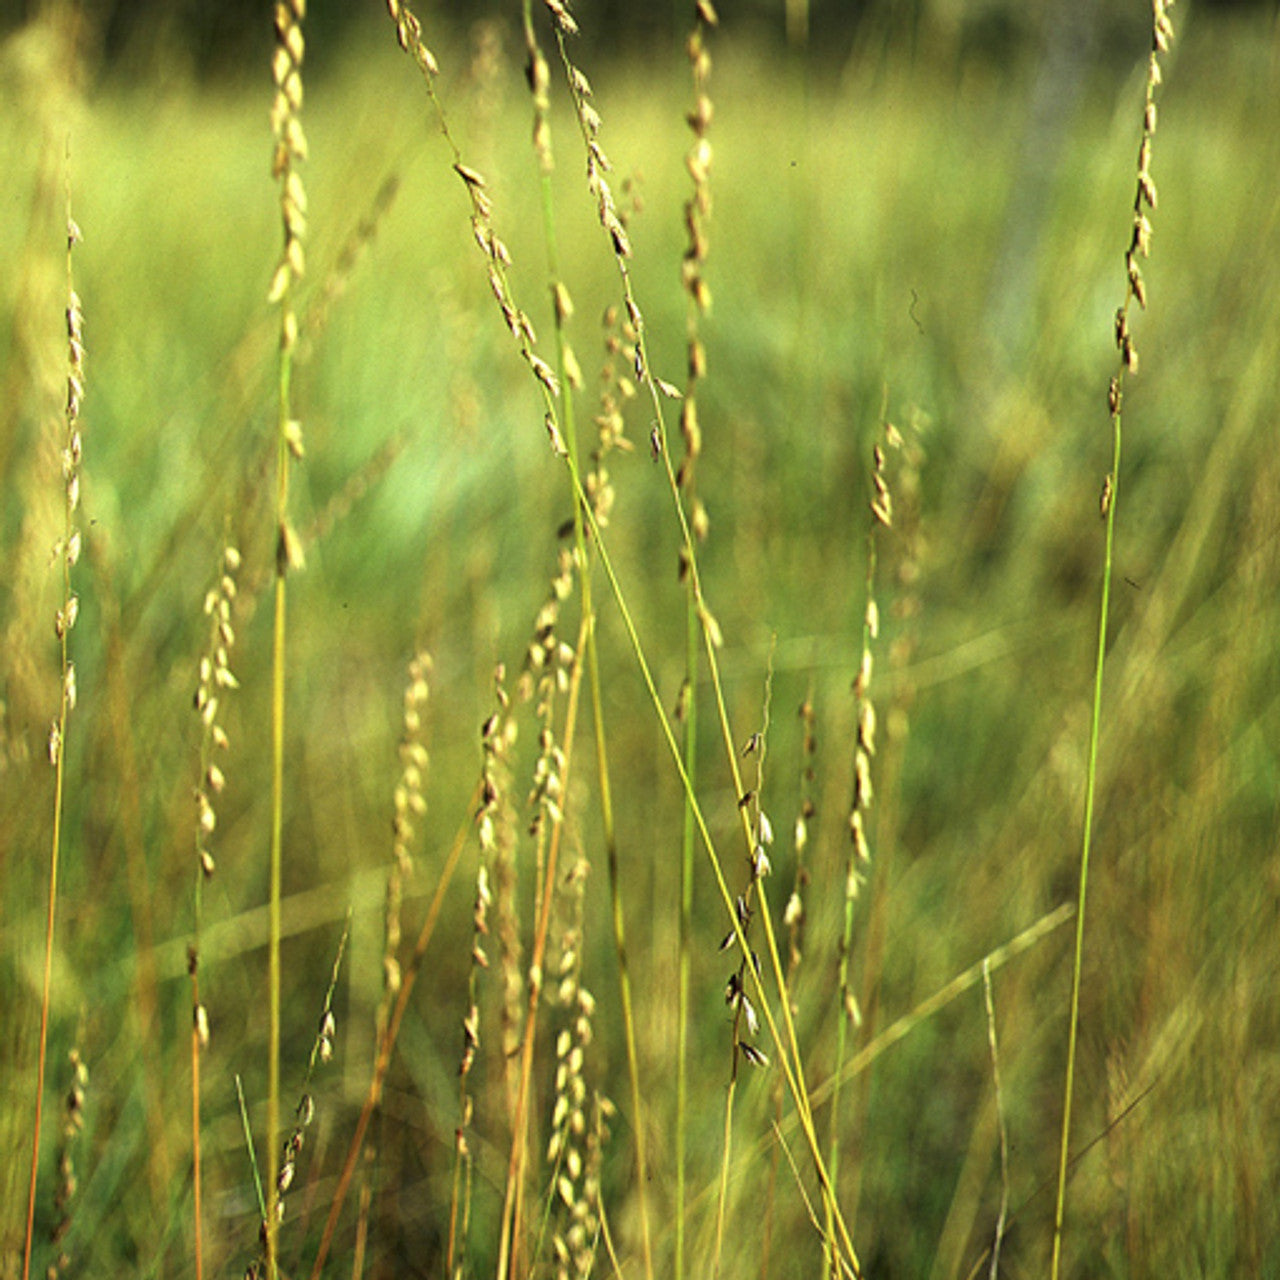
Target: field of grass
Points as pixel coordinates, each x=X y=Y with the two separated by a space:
x=923 y=237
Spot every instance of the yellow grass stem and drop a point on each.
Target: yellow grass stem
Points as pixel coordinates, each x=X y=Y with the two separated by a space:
x=697 y=208
x=197 y=1179
x=688 y=853
x=846 y=1013
x=513 y=1199
x=67 y=553
x=392 y=1033
x=273 y=963
x=567 y=426
x=46 y=986
x=290 y=148
x=794 y=1078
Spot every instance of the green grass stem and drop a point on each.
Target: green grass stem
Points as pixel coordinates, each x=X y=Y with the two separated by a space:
x=1091 y=777
x=1135 y=288
x=790 y=1065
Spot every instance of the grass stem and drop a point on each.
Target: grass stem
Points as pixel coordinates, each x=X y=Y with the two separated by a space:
x=67 y=554
x=1135 y=288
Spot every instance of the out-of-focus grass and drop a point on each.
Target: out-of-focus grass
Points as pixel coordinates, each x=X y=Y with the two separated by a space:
x=857 y=241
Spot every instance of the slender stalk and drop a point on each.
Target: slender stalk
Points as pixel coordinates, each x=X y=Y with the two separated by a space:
x=902 y=1027
x=1003 y=1215
x=196 y=1176
x=881 y=516
x=736 y=995
x=697 y=209
x=215 y=678
x=68 y=553
x=1135 y=289
x=794 y=918
x=513 y=1203
x=273 y=964
x=1090 y=791
x=247 y=1129
x=617 y=916
x=539 y=78
x=722 y=1186
x=45 y=993
x=290 y=148
x=390 y=1036
x=279 y=636
x=688 y=851
x=794 y=1079
x=45 y=996
x=619 y=936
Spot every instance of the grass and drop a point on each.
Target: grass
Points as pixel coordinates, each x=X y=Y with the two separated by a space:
x=864 y=267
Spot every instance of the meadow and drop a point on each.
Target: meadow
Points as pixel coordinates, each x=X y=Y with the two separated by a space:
x=429 y=598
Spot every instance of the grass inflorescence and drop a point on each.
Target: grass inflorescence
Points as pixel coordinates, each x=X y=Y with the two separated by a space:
x=1144 y=202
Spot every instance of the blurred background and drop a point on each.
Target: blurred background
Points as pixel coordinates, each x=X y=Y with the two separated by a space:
x=215 y=37
x=920 y=213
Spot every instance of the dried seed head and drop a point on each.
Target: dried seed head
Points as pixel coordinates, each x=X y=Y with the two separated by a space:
x=553 y=433
x=862 y=792
x=867 y=727
x=293 y=435
x=289 y=553
x=852 y=1010
x=1136 y=282
x=1121 y=327
x=1142 y=234
x=563 y=18
x=764 y=828
x=206 y=819
x=862 y=680
x=699 y=523
x=858 y=834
